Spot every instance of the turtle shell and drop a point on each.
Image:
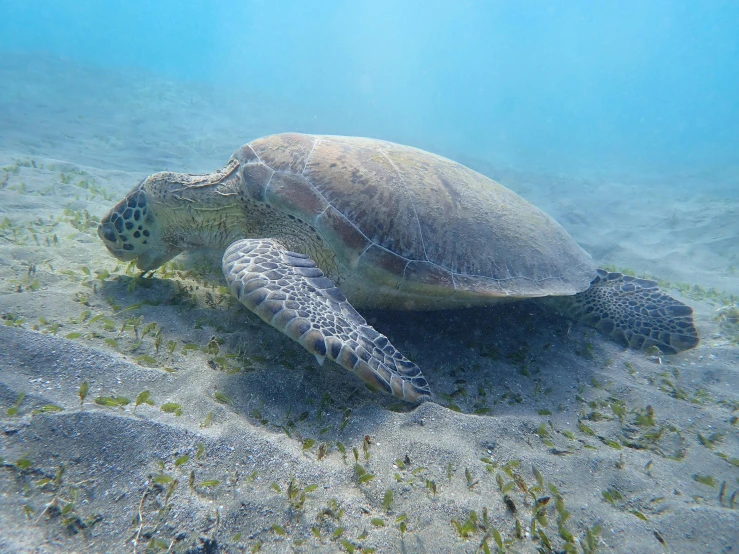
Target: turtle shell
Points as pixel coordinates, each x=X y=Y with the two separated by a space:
x=413 y=220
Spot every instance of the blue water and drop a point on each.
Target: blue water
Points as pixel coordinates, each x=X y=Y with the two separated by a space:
x=619 y=87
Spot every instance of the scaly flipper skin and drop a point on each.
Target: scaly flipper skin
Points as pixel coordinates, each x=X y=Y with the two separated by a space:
x=633 y=312
x=289 y=292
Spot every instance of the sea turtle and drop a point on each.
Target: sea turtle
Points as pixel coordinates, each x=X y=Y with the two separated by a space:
x=314 y=226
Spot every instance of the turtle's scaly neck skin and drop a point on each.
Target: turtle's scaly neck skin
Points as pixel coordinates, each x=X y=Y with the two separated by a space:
x=169 y=213
x=199 y=211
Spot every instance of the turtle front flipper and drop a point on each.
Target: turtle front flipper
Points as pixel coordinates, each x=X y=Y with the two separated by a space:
x=633 y=312
x=289 y=292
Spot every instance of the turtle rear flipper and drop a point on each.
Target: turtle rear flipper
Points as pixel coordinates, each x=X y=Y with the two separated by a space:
x=633 y=312
x=289 y=292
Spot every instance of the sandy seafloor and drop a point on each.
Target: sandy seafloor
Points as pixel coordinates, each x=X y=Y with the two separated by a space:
x=639 y=451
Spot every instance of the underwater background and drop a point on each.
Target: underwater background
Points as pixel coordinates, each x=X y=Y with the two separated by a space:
x=611 y=88
x=158 y=415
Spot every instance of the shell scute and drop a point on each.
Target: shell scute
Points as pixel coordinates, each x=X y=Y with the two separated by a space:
x=287 y=152
x=294 y=195
x=363 y=186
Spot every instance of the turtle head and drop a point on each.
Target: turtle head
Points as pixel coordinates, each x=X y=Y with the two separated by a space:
x=131 y=231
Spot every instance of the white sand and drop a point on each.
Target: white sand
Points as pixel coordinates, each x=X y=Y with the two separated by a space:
x=533 y=374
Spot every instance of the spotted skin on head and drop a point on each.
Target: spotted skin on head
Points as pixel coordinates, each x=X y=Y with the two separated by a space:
x=125 y=224
x=131 y=232
x=289 y=292
x=633 y=312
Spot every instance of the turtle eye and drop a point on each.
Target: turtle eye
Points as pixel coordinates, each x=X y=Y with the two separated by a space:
x=108 y=233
